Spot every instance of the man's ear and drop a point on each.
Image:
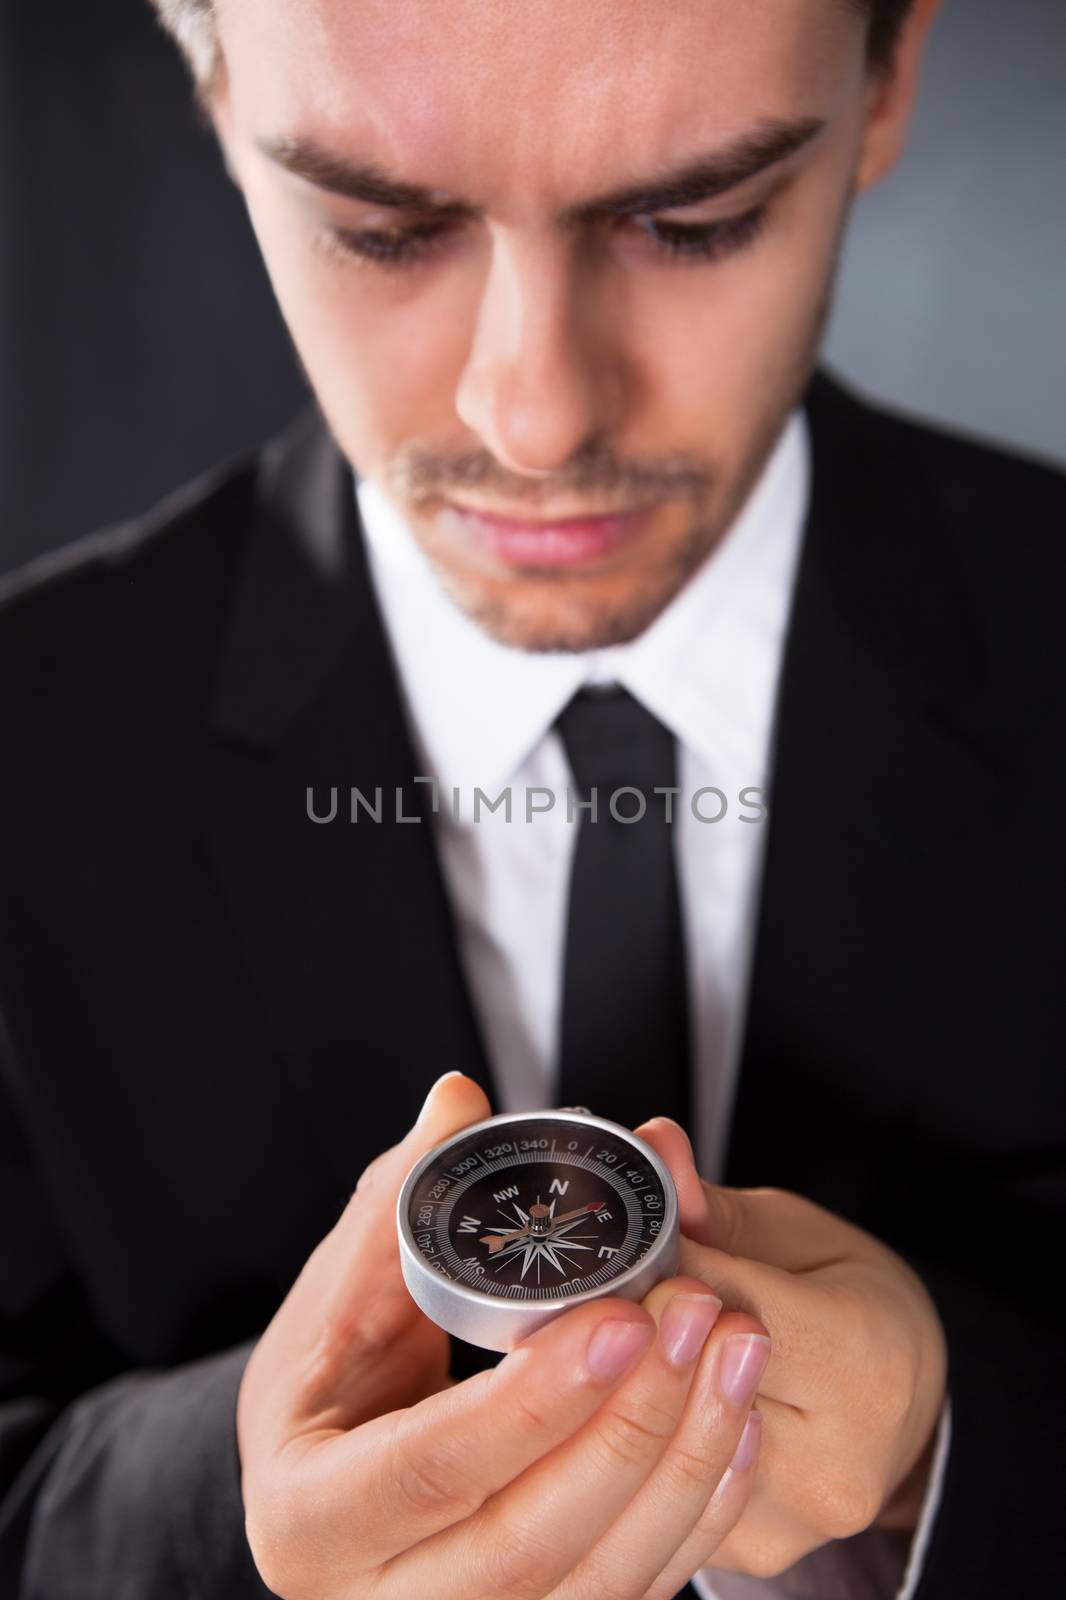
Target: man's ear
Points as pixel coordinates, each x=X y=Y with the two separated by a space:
x=892 y=91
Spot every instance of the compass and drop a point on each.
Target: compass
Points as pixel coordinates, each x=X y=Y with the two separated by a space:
x=517 y=1218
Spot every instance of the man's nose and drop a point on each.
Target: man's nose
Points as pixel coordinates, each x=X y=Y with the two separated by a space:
x=542 y=376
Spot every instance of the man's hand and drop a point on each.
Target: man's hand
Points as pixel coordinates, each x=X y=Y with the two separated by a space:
x=856 y=1383
x=577 y=1468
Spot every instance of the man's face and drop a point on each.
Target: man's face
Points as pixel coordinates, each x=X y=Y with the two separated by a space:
x=565 y=320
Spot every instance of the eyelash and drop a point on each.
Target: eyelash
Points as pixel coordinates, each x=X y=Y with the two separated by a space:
x=677 y=240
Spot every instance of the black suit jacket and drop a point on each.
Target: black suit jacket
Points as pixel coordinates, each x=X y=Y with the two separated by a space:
x=218 y=1012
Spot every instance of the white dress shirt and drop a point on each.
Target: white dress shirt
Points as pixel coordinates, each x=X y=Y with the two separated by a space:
x=480 y=715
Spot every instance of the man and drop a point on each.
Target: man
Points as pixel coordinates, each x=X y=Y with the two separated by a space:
x=558 y=277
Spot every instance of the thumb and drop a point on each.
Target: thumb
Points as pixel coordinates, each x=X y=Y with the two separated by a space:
x=771 y=1226
x=731 y=1220
x=348 y=1341
x=453 y=1103
x=364 y=1240
x=670 y=1141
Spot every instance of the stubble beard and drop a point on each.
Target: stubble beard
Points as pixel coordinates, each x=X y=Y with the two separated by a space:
x=554 y=610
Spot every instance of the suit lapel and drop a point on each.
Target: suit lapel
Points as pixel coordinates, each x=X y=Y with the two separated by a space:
x=872 y=837
x=342 y=927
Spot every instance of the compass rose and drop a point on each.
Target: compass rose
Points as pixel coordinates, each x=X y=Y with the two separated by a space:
x=541 y=1236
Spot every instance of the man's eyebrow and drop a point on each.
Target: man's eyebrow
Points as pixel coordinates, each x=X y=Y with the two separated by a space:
x=354 y=180
x=699 y=178
x=705 y=176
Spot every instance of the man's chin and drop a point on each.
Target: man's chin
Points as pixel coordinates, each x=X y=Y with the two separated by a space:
x=562 y=613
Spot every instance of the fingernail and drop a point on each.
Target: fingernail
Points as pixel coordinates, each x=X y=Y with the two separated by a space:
x=741 y=1365
x=687 y=1321
x=748 y=1445
x=617 y=1345
x=672 y=1122
x=432 y=1092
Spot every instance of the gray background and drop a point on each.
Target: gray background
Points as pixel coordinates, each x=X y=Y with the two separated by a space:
x=953 y=296
x=139 y=342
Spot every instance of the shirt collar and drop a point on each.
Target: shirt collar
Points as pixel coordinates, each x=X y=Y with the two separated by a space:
x=706 y=667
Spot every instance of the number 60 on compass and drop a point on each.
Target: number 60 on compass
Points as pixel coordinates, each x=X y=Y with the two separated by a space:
x=522 y=1216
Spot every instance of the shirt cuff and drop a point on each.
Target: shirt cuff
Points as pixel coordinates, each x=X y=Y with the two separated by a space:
x=930 y=1505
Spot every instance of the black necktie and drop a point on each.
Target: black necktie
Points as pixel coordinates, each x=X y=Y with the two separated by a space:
x=624 y=1040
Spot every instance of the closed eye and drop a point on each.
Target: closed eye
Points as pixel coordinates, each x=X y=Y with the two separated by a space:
x=705 y=240
x=702 y=241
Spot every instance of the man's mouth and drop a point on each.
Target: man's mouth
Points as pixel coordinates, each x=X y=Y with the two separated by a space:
x=526 y=541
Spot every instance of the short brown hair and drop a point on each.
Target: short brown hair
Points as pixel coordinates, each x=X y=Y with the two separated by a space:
x=192 y=24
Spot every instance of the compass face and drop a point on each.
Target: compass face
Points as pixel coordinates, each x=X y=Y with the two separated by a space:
x=542 y=1208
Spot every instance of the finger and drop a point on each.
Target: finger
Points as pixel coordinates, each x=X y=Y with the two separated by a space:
x=669 y=1140
x=769 y=1225
x=721 y=1516
x=687 y=1489
x=369 y=1219
x=418 y=1471
x=529 y=1537
x=349 y=1317
x=839 y=1348
x=778 y=1512
x=765 y=1538
x=359 y=1258
x=812 y=1335
x=823 y=1331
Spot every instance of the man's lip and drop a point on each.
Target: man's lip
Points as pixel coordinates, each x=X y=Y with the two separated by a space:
x=572 y=541
x=524 y=519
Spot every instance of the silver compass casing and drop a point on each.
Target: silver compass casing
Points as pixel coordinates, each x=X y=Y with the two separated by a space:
x=498 y=1324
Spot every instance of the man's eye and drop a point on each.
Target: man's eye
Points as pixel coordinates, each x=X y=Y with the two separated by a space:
x=703 y=241
x=392 y=246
